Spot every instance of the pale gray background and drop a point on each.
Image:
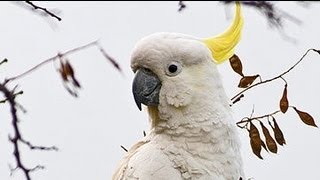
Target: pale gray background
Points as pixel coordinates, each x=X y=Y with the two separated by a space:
x=89 y=130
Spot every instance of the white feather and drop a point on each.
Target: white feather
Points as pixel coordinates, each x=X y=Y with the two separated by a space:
x=194 y=135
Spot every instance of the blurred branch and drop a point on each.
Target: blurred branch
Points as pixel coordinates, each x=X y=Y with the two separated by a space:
x=273 y=14
x=4 y=61
x=44 y=10
x=50 y=60
x=60 y=56
x=182 y=6
x=109 y=58
x=17 y=137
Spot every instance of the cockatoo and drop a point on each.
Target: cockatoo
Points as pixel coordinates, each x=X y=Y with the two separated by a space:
x=193 y=134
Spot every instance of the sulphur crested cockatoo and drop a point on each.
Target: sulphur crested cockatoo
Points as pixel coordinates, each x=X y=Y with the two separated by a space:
x=193 y=135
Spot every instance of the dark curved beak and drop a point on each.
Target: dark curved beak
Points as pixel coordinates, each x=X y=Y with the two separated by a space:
x=145 y=88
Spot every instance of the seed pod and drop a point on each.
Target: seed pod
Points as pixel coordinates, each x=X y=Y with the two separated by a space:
x=305 y=117
x=255 y=140
x=284 y=104
x=278 y=133
x=271 y=144
x=236 y=64
x=246 y=81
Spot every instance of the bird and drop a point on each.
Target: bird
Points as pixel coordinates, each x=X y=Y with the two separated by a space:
x=193 y=134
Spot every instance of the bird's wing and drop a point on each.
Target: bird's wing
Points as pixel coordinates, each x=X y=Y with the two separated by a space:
x=146 y=161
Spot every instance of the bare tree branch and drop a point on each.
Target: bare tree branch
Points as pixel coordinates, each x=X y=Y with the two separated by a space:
x=17 y=137
x=274 y=15
x=50 y=60
x=45 y=10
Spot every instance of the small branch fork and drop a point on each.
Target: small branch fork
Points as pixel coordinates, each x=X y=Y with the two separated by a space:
x=17 y=137
x=245 y=121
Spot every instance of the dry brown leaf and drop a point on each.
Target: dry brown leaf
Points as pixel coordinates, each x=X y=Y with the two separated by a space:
x=246 y=81
x=284 y=103
x=255 y=140
x=68 y=76
x=305 y=117
x=271 y=144
x=68 y=69
x=236 y=65
x=63 y=73
x=278 y=133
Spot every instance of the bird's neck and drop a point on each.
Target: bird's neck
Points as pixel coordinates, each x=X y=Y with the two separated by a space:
x=209 y=107
x=207 y=119
x=206 y=131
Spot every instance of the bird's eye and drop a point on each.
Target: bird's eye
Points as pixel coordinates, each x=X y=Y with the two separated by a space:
x=173 y=69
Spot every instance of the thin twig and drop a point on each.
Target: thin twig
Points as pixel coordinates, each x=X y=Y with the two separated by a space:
x=109 y=58
x=252 y=111
x=42 y=148
x=50 y=60
x=4 y=61
x=37 y=168
x=44 y=10
x=125 y=149
x=277 y=77
x=247 y=120
x=237 y=99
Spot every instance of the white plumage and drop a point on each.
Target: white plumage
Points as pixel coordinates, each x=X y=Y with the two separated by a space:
x=193 y=135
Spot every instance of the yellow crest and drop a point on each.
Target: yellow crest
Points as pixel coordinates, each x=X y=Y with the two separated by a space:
x=222 y=46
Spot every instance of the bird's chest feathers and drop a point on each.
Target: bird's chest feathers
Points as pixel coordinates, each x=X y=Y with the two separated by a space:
x=204 y=151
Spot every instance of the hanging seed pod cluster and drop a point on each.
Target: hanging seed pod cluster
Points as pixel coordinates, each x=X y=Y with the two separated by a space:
x=70 y=82
x=261 y=136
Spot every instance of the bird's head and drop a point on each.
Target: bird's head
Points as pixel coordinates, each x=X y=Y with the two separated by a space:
x=175 y=72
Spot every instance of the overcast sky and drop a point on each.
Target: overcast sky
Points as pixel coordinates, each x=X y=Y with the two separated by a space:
x=90 y=129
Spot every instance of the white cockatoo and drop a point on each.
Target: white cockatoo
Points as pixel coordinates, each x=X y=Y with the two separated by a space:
x=193 y=134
